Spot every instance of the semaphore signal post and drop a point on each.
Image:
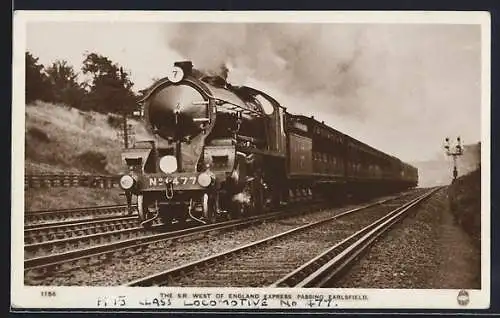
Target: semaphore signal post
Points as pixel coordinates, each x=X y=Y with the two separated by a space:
x=455 y=151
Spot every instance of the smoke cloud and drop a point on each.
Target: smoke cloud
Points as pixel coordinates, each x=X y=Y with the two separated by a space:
x=299 y=60
x=375 y=82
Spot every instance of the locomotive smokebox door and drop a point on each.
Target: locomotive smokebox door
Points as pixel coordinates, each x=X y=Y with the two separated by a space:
x=178 y=112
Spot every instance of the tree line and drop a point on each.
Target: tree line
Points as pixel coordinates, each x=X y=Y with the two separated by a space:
x=108 y=88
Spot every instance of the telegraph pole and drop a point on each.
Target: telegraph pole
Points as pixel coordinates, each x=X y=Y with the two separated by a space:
x=125 y=129
x=455 y=151
x=124 y=112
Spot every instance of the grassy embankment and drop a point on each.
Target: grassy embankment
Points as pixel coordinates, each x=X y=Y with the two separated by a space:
x=60 y=139
x=465 y=204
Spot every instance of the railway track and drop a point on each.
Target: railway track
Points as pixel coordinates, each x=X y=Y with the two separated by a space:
x=81 y=250
x=59 y=231
x=33 y=218
x=322 y=270
x=85 y=235
x=302 y=256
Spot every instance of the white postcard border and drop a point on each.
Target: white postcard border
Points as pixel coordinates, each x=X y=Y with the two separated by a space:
x=95 y=297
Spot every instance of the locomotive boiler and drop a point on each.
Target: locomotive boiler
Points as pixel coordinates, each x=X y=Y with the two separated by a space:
x=224 y=151
x=206 y=160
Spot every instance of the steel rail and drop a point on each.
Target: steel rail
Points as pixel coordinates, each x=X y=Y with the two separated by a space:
x=323 y=268
x=33 y=218
x=49 y=211
x=62 y=224
x=54 y=260
x=164 y=277
x=40 y=232
x=33 y=248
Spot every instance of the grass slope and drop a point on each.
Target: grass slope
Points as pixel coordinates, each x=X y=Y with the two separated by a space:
x=60 y=139
x=465 y=204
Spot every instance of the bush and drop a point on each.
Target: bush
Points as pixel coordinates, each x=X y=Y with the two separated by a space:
x=93 y=160
x=37 y=134
x=465 y=204
x=114 y=121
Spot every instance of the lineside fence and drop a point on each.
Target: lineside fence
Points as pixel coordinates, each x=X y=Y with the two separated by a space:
x=70 y=180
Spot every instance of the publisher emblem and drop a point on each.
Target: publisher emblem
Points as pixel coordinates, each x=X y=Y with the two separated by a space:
x=463 y=298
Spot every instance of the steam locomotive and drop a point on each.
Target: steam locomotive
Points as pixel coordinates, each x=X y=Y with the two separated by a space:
x=224 y=151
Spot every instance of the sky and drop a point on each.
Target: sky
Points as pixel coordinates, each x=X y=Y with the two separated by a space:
x=402 y=88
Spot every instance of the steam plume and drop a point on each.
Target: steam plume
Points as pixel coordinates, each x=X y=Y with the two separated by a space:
x=371 y=81
x=299 y=60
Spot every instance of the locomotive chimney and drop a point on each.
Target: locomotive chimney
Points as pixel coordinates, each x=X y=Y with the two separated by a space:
x=186 y=66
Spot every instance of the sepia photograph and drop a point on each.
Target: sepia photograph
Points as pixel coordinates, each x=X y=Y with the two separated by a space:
x=251 y=160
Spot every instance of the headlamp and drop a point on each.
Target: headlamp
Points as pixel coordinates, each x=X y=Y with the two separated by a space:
x=205 y=179
x=168 y=164
x=126 y=182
